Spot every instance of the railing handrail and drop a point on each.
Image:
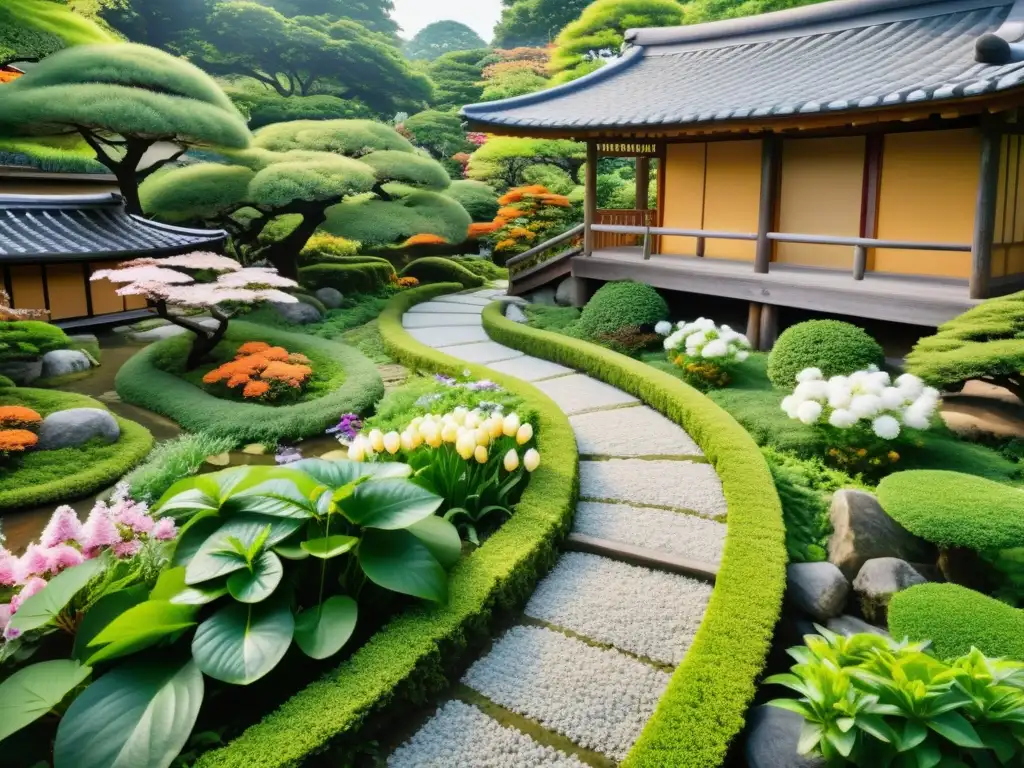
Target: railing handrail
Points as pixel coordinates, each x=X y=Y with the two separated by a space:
x=567 y=235
x=624 y=229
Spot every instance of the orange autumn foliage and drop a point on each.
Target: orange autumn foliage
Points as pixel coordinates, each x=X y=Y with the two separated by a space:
x=256 y=389
x=424 y=239
x=408 y=282
x=517 y=194
x=262 y=371
x=509 y=212
x=485 y=228
x=19 y=417
x=17 y=440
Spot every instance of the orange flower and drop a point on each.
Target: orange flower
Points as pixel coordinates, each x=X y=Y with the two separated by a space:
x=298 y=357
x=292 y=375
x=424 y=239
x=19 y=417
x=251 y=348
x=256 y=389
x=522 y=232
x=503 y=244
x=509 y=212
x=238 y=380
x=275 y=353
x=558 y=200
x=17 y=440
x=7 y=76
x=408 y=282
x=517 y=194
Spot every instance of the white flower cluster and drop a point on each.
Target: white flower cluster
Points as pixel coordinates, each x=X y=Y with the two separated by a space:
x=865 y=396
x=703 y=339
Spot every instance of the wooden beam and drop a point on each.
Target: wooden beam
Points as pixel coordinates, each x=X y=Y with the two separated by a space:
x=643 y=180
x=754 y=325
x=769 y=327
x=770 y=155
x=985 y=210
x=590 y=198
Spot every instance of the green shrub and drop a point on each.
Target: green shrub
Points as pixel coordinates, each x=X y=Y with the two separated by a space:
x=66 y=474
x=618 y=304
x=29 y=339
x=324 y=248
x=557 y=319
x=435 y=269
x=173 y=460
x=951 y=509
x=361 y=277
x=5 y=382
x=413 y=655
x=708 y=695
x=142 y=382
x=985 y=342
x=835 y=347
x=478 y=198
x=267 y=107
x=485 y=268
x=957 y=619
x=392 y=165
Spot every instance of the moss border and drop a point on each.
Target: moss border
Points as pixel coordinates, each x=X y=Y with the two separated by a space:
x=141 y=383
x=707 y=698
x=419 y=651
x=135 y=443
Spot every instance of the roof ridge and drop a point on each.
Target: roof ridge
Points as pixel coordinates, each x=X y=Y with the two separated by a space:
x=776 y=21
x=106 y=199
x=1003 y=45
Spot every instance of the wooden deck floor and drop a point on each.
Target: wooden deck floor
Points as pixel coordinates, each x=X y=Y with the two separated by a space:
x=896 y=298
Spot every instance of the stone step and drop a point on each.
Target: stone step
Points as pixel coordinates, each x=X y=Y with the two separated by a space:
x=598 y=698
x=449 y=336
x=445 y=307
x=683 y=485
x=530 y=368
x=483 y=352
x=625 y=432
x=465 y=298
x=651 y=559
x=434 y=320
x=577 y=393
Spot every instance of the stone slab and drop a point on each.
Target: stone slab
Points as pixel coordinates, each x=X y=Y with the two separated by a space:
x=449 y=335
x=483 y=353
x=625 y=432
x=658 y=529
x=445 y=307
x=465 y=298
x=676 y=484
x=530 y=368
x=581 y=393
x=436 y=320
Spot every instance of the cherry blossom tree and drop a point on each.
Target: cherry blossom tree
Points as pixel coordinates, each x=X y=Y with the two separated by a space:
x=199 y=280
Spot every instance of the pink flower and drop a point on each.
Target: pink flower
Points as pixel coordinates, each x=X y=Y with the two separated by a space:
x=99 y=530
x=36 y=561
x=63 y=526
x=165 y=529
x=32 y=586
x=5 y=615
x=11 y=572
x=11 y=633
x=126 y=549
x=65 y=556
x=134 y=516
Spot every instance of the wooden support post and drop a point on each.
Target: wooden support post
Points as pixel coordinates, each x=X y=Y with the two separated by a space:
x=590 y=199
x=874 y=147
x=860 y=261
x=754 y=325
x=770 y=152
x=985 y=211
x=643 y=180
x=769 y=327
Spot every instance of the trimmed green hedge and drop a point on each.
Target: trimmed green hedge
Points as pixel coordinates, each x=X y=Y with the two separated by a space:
x=620 y=304
x=67 y=474
x=359 y=277
x=956 y=619
x=951 y=509
x=436 y=269
x=141 y=382
x=417 y=651
x=704 y=706
x=30 y=339
x=837 y=348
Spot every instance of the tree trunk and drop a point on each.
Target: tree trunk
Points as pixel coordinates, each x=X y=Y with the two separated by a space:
x=284 y=255
x=205 y=339
x=129 y=186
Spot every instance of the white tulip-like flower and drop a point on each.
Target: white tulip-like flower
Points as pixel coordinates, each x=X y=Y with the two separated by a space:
x=531 y=459
x=716 y=348
x=813 y=389
x=472 y=420
x=392 y=442
x=450 y=432
x=839 y=395
x=809 y=374
x=432 y=437
x=480 y=454
x=866 y=406
x=911 y=385
x=511 y=461
x=664 y=328
x=886 y=427
x=357 y=450
x=415 y=423
x=892 y=398
x=789 y=405
x=525 y=434
x=809 y=412
x=511 y=425
x=376 y=438
x=482 y=435
x=495 y=425
x=842 y=418
x=408 y=444
x=682 y=324
x=466 y=445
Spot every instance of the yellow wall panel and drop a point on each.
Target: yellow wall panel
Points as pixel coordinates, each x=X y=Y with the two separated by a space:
x=27 y=287
x=732 y=196
x=929 y=189
x=135 y=302
x=683 y=195
x=104 y=293
x=1015 y=259
x=821 y=194
x=66 y=287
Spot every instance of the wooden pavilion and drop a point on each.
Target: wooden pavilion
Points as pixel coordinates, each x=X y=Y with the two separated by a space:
x=856 y=157
x=50 y=246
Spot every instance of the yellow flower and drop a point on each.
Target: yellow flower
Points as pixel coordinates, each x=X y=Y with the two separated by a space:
x=511 y=461
x=466 y=445
x=525 y=434
x=392 y=442
x=357 y=450
x=450 y=433
x=511 y=424
x=415 y=423
x=432 y=437
x=483 y=437
x=376 y=440
x=408 y=442
x=495 y=425
x=472 y=420
x=481 y=454
x=531 y=459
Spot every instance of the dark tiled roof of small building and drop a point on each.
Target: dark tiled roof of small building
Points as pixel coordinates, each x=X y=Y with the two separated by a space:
x=75 y=228
x=844 y=55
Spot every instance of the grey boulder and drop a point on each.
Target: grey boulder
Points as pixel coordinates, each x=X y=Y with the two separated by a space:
x=863 y=531
x=515 y=314
x=772 y=736
x=571 y=292
x=879 y=579
x=76 y=426
x=61 y=362
x=330 y=297
x=818 y=589
x=851 y=625
x=298 y=313
x=543 y=296
x=22 y=372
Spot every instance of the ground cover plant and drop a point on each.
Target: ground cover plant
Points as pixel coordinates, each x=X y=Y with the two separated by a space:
x=171 y=461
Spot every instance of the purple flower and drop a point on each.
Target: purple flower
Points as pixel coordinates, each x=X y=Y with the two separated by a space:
x=126 y=549
x=348 y=427
x=10 y=633
x=63 y=526
x=11 y=572
x=448 y=381
x=164 y=530
x=65 y=556
x=99 y=530
x=484 y=385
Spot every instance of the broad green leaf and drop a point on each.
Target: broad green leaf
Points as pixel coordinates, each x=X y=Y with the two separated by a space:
x=329 y=546
x=201 y=594
x=335 y=474
x=248 y=528
x=398 y=561
x=189 y=496
x=193 y=538
x=842 y=741
x=106 y=609
x=927 y=755
x=140 y=714
x=40 y=609
x=793 y=705
x=810 y=735
x=169 y=583
x=389 y=504
x=139 y=627
x=323 y=630
x=913 y=734
x=440 y=537
x=291 y=551
x=956 y=728
x=279 y=497
x=33 y=691
x=213 y=560
x=240 y=643
x=256 y=585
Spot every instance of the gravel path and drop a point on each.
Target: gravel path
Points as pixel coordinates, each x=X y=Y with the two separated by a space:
x=598 y=683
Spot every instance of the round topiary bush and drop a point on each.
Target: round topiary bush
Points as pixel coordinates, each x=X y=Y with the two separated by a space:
x=835 y=347
x=435 y=269
x=618 y=305
x=29 y=339
x=359 y=277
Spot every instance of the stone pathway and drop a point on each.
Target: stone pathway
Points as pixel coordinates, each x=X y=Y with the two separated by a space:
x=574 y=683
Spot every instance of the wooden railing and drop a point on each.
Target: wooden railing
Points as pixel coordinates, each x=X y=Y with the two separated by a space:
x=522 y=261
x=621 y=218
x=860 y=245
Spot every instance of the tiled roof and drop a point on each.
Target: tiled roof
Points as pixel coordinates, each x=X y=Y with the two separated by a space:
x=838 y=56
x=74 y=228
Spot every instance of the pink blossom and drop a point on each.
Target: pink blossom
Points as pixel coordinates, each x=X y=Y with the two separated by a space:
x=11 y=572
x=36 y=561
x=135 y=517
x=126 y=549
x=64 y=526
x=144 y=273
x=11 y=633
x=32 y=586
x=99 y=530
x=164 y=529
x=5 y=615
x=203 y=260
x=65 y=556
x=256 y=276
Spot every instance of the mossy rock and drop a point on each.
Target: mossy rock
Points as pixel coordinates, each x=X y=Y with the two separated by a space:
x=837 y=348
x=435 y=269
x=362 y=277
